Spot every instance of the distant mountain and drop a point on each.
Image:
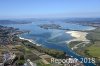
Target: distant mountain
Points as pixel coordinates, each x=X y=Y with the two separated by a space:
x=13 y=22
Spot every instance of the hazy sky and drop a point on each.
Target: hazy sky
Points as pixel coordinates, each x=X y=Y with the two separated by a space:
x=49 y=8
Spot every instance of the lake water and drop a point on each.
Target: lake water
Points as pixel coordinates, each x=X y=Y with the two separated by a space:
x=51 y=38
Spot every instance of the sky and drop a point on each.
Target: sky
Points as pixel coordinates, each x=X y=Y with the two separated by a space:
x=49 y=8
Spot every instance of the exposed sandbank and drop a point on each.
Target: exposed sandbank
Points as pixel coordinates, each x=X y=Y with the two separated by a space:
x=78 y=36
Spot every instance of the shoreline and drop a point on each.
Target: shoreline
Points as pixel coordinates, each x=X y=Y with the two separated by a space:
x=30 y=40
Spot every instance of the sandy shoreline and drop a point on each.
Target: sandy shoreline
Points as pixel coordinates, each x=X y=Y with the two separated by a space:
x=30 y=40
x=78 y=36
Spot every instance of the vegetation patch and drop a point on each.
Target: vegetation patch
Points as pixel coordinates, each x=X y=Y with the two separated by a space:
x=94 y=50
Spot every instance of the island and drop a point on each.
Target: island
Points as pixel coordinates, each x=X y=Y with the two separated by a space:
x=50 y=26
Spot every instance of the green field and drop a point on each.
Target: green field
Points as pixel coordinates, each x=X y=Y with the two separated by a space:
x=94 y=50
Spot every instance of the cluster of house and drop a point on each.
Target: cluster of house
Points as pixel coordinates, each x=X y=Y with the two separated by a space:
x=7 y=59
x=9 y=56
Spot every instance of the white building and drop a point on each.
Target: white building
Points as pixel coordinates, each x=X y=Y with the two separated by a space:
x=29 y=63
